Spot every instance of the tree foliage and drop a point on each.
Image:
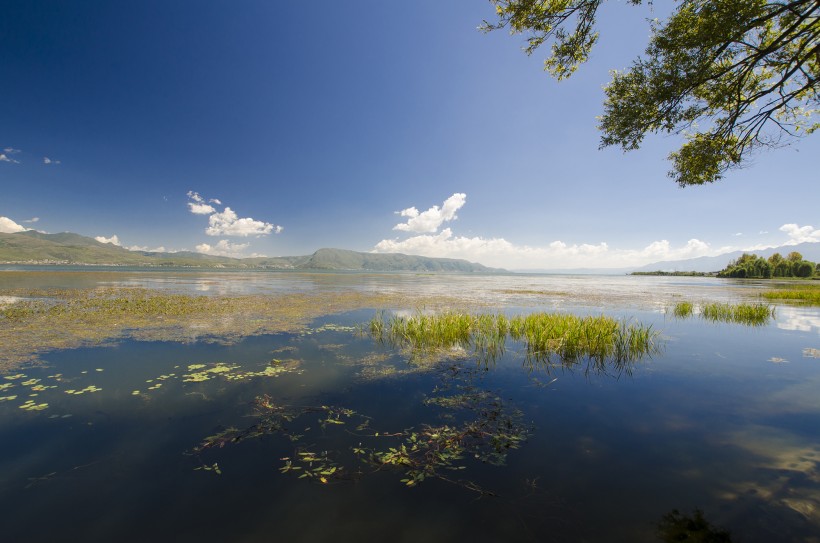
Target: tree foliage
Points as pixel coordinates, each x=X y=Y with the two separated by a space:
x=753 y=266
x=731 y=76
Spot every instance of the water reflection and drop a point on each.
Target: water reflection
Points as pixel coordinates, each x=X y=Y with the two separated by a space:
x=798 y=318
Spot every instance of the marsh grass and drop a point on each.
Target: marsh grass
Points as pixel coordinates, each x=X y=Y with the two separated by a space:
x=42 y=320
x=748 y=314
x=682 y=310
x=569 y=338
x=743 y=313
x=808 y=296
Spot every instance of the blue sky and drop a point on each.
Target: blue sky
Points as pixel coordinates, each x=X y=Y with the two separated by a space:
x=366 y=125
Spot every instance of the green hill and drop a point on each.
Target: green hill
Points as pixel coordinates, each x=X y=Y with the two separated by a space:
x=32 y=247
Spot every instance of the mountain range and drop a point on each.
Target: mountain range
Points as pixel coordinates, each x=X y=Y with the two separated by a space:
x=32 y=247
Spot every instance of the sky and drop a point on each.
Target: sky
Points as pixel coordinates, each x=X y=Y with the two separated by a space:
x=272 y=128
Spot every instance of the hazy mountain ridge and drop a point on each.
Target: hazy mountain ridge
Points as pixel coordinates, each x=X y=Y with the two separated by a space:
x=31 y=247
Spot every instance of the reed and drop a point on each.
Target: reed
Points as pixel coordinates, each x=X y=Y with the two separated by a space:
x=803 y=296
x=749 y=314
x=683 y=310
x=545 y=335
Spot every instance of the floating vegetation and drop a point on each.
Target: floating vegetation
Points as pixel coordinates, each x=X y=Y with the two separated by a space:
x=29 y=405
x=41 y=320
x=231 y=372
x=481 y=428
x=546 y=335
x=89 y=388
x=743 y=313
x=196 y=373
x=808 y=296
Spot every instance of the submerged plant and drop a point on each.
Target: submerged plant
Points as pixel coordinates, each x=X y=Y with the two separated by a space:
x=480 y=427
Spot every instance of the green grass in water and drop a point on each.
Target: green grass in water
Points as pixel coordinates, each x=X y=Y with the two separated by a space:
x=682 y=310
x=749 y=314
x=568 y=337
x=803 y=296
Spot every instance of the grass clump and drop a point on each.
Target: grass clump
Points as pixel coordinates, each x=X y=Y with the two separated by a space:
x=568 y=337
x=749 y=314
x=683 y=310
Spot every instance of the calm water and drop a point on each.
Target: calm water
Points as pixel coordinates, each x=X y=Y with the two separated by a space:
x=726 y=419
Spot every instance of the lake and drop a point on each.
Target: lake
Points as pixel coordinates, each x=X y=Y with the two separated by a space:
x=320 y=433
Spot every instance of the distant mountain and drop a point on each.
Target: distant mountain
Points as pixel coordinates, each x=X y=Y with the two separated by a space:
x=810 y=251
x=32 y=247
x=340 y=259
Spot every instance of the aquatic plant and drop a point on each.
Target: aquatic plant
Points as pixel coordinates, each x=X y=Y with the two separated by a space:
x=808 y=296
x=482 y=428
x=682 y=310
x=42 y=320
x=743 y=313
x=568 y=337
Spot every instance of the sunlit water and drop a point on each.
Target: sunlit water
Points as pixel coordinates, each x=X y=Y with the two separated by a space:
x=725 y=419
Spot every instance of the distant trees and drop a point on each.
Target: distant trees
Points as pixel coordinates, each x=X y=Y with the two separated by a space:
x=753 y=266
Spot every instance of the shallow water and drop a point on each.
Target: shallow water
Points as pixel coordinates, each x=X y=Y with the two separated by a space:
x=724 y=419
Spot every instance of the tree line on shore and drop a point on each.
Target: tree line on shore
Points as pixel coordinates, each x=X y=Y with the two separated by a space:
x=753 y=266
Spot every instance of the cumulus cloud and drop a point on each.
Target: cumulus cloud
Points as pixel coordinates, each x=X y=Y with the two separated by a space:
x=145 y=249
x=501 y=253
x=429 y=221
x=113 y=240
x=201 y=209
x=227 y=222
x=6 y=155
x=8 y=226
x=800 y=234
x=223 y=248
x=47 y=160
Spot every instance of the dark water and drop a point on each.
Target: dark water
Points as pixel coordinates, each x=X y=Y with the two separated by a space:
x=726 y=419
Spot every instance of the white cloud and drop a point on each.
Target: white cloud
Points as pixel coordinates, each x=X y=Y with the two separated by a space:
x=8 y=226
x=201 y=209
x=113 y=240
x=33 y=219
x=195 y=196
x=800 y=234
x=145 y=249
x=5 y=156
x=429 y=221
x=223 y=248
x=47 y=160
x=227 y=222
x=498 y=252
